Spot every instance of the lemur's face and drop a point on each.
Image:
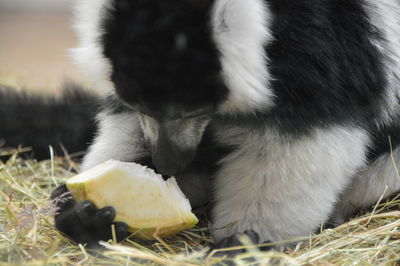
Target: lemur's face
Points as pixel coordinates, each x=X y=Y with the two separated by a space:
x=166 y=66
x=178 y=63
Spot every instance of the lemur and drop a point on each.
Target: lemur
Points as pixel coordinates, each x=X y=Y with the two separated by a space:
x=284 y=114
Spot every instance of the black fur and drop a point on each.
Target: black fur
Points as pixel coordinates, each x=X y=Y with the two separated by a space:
x=325 y=68
x=315 y=61
x=36 y=121
x=83 y=222
x=162 y=54
x=385 y=139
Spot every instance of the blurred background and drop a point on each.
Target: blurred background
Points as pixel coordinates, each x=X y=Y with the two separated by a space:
x=35 y=36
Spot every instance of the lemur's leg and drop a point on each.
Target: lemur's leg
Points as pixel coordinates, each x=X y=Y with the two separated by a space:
x=379 y=180
x=120 y=137
x=283 y=188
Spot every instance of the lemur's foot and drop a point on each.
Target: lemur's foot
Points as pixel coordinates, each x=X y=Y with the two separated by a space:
x=234 y=241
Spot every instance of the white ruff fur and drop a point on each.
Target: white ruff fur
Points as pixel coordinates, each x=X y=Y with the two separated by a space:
x=241 y=31
x=120 y=138
x=283 y=188
x=88 y=55
x=385 y=15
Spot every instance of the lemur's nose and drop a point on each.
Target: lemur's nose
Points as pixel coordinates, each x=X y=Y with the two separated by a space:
x=168 y=169
x=170 y=158
x=170 y=161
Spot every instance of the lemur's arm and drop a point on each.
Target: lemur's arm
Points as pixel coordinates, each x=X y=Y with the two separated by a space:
x=121 y=138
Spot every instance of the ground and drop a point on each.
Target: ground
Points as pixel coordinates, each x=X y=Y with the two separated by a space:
x=28 y=236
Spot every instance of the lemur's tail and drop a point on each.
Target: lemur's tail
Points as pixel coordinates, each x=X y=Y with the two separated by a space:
x=38 y=121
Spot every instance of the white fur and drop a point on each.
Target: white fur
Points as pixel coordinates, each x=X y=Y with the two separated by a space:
x=385 y=15
x=379 y=180
x=183 y=133
x=190 y=132
x=150 y=129
x=283 y=188
x=88 y=54
x=241 y=31
x=120 y=138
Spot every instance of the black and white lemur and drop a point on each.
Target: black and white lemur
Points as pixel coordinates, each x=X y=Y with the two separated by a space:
x=284 y=114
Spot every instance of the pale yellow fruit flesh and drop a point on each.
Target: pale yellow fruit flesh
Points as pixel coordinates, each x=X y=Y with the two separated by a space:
x=149 y=205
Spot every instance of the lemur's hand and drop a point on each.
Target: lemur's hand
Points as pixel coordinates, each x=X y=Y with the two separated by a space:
x=83 y=222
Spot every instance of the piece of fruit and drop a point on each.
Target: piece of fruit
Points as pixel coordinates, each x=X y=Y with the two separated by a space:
x=149 y=205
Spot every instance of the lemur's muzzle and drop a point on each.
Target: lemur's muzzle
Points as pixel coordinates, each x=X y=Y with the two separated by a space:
x=169 y=158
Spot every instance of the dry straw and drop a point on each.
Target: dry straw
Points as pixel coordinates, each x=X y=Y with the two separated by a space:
x=28 y=237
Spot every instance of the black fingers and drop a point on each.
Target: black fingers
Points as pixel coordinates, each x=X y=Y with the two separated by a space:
x=104 y=217
x=62 y=198
x=106 y=233
x=84 y=223
x=85 y=212
x=59 y=191
x=121 y=231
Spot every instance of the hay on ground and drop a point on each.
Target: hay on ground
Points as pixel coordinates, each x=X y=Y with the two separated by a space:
x=28 y=237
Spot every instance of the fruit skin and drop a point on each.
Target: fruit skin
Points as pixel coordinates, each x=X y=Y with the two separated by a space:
x=147 y=204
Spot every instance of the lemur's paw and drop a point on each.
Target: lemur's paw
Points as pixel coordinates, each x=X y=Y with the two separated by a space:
x=234 y=241
x=83 y=222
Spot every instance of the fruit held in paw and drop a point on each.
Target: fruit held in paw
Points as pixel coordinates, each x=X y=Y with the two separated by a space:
x=142 y=199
